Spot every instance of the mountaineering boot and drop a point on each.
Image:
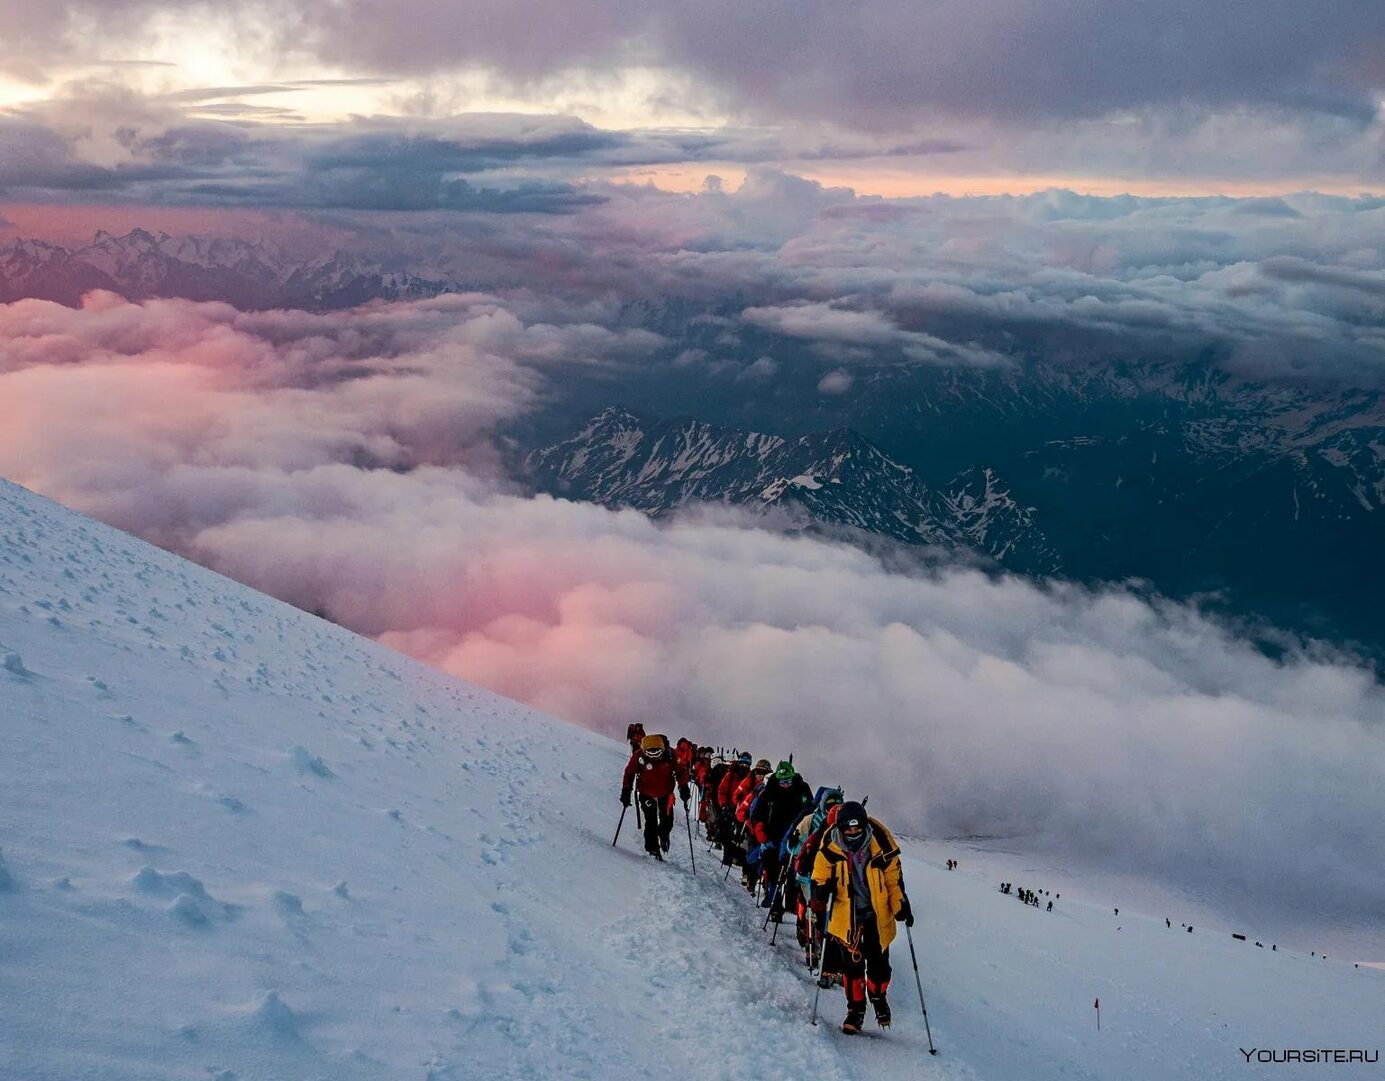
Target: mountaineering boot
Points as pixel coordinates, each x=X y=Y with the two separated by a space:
x=664 y=843
x=855 y=1018
x=882 y=1009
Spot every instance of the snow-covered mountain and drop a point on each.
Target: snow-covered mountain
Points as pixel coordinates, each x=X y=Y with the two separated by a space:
x=248 y=274
x=238 y=842
x=837 y=477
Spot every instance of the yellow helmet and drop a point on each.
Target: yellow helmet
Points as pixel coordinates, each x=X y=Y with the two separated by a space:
x=653 y=746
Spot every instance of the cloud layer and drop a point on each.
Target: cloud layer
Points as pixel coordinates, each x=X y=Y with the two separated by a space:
x=878 y=64
x=345 y=463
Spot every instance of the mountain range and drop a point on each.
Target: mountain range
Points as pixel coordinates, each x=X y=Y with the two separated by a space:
x=834 y=478
x=252 y=275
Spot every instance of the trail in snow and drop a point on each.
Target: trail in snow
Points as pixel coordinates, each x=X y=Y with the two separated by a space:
x=239 y=842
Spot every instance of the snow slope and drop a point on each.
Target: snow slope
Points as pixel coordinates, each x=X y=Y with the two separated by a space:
x=241 y=843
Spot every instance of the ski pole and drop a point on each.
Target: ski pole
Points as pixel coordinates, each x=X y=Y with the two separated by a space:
x=639 y=824
x=619 y=824
x=909 y=931
x=687 y=820
x=822 y=975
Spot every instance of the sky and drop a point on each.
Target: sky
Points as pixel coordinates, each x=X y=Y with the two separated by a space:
x=162 y=101
x=954 y=184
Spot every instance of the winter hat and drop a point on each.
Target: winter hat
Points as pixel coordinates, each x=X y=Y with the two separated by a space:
x=763 y=765
x=784 y=772
x=743 y=758
x=831 y=796
x=852 y=825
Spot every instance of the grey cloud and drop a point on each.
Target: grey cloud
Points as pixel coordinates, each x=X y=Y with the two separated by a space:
x=36 y=159
x=1290 y=269
x=879 y=65
x=363 y=165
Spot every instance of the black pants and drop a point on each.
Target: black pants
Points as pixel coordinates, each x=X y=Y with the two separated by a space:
x=658 y=822
x=867 y=970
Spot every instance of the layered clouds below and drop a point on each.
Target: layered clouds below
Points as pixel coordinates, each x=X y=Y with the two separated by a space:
x=352 y=464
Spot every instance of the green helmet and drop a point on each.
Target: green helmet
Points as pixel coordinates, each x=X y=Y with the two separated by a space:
x=785 y=771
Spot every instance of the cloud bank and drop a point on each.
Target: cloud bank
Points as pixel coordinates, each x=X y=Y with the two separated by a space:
x=346 y=464
x=880 y=63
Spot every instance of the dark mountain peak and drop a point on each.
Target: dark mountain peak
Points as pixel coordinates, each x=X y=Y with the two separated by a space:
x=843 y=441
x=616 y=416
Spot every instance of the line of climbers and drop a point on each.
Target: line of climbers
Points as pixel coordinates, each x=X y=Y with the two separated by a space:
x=812 y=853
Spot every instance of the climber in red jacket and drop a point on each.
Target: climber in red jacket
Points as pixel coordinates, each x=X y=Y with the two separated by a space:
x=658 y=775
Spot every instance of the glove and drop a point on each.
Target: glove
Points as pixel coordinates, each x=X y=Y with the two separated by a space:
x=625 y=797
x=906 y=914
x=684 y=794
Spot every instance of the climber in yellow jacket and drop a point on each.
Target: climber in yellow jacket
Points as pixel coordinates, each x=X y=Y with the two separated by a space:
x=856 y=875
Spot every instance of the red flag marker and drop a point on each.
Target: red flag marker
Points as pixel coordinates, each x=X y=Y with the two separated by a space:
x=1096 y=1005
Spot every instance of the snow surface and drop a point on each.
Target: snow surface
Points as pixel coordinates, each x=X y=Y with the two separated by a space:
x=239 y=842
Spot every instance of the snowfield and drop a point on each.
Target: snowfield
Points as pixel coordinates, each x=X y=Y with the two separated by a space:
x=238 y=842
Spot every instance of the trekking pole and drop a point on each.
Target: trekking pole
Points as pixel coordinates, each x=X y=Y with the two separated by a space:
x=909 y=931
x=618 y=825
x=779 y=900
x=687 y=820
x=918 y=981
x=821 y=974
x=784 y=879
x=778 y=885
